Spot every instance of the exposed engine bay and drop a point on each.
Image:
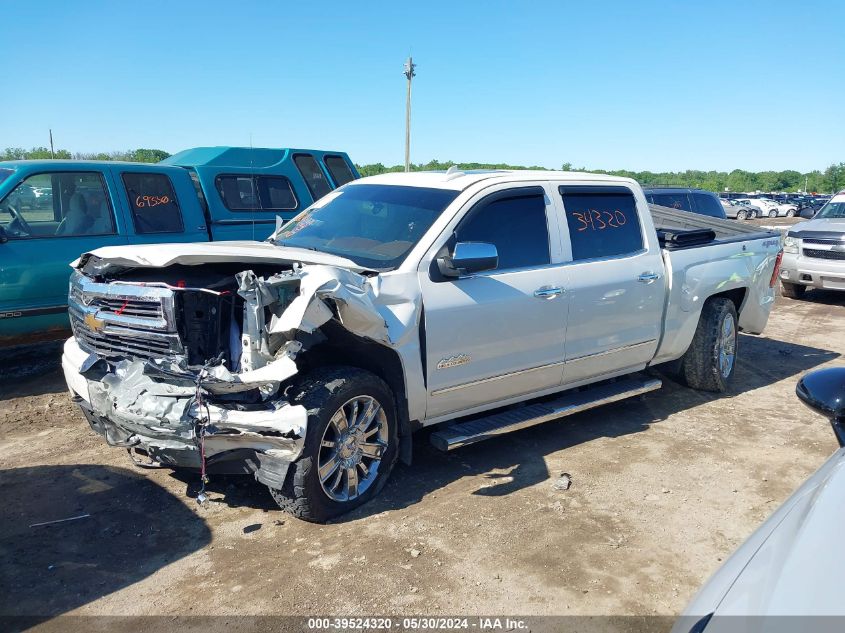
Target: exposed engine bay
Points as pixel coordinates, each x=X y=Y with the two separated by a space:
x=188 y=365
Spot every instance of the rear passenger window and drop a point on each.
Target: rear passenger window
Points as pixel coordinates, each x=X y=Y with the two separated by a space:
x=603 y=222
x=515 y=225
x=339 y=169
x=256 y=193
x=708 y=205
x=314 y=177
x=678 y=201
x=153 y=202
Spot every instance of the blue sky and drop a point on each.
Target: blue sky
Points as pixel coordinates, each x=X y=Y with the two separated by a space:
x=633 y=85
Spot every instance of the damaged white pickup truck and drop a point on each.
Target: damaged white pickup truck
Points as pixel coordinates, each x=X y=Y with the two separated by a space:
x=488 y=300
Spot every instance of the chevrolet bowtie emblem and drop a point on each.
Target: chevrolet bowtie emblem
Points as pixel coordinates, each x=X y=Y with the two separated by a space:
x=94 y=323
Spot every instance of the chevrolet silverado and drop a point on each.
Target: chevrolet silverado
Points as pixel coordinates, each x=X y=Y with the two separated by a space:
x=482 y=302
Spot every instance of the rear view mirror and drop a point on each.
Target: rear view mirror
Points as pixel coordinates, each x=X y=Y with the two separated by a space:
x=823 y=391
x=468 y=258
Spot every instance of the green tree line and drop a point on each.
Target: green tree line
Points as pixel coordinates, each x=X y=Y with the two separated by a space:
x=830 y=180
x=133 y=155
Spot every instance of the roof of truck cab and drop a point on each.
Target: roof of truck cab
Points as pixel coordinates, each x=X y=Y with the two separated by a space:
x=77 y=165
x=460 y=180
x=224 y=156
x=55 y=165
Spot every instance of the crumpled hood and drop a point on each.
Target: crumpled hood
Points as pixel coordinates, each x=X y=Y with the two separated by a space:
x=195 y=253
x=798 y=568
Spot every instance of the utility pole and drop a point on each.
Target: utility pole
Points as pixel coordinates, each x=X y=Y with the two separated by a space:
x=410 y=67
x=52 y=153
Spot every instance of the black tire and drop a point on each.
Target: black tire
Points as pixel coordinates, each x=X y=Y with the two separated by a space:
x=323 y=392
x=741 y=215
x=790 y=213
x=792 y=291
x=773 y=214
x=700 y=365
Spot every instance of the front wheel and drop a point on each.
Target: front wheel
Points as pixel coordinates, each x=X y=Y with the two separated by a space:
x=790 y=213
x=741 y=215
x=351 y=443
x=710 y=361
x=773 y=214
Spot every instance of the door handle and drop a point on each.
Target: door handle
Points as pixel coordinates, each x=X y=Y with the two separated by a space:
x=547 y=293
x=648 y=278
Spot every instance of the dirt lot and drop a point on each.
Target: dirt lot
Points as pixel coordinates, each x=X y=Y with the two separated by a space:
x=664 y=488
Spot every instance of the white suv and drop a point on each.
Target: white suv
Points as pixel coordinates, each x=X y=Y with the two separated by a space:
x=814 y=251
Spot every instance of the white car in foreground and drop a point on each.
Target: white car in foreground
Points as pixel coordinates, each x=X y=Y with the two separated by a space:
x=793 y=564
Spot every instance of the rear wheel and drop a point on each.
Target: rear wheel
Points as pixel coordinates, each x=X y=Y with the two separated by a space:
x=773 y=214
x=792 y=291
x=351 y=443
x=710 y=361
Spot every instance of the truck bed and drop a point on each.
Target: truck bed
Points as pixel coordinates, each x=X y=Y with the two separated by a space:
x=726 y=231
x=738 y=259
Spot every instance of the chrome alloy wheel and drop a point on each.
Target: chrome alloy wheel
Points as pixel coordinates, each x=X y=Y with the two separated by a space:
x=727 y=346
x=351 y=449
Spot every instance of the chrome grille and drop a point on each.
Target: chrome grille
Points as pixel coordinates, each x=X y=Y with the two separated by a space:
x=129 y=307
x=120 y=320
x=821 y=240
x=110 y=344
x=820 y=254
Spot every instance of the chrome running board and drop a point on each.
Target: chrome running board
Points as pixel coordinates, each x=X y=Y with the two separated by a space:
x=461 y=434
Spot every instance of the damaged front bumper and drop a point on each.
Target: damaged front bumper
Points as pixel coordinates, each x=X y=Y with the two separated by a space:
x=132 y=407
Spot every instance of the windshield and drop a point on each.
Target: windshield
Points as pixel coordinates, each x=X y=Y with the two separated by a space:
x=373 y=225
x=5 y=173
x=832 y=210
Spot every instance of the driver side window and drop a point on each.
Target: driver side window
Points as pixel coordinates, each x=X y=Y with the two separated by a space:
x=63 y=204
x=516 y=225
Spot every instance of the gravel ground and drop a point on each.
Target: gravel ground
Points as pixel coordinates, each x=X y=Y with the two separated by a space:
x=663 y=489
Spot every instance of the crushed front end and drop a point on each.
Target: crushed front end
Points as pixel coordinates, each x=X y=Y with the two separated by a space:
x=187 y=366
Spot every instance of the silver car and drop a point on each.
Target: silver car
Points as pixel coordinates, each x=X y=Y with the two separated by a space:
x=757 y=211
x=736 y=211
x=793 y=564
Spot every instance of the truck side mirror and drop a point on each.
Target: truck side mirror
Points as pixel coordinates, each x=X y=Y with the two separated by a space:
x=823 y=391
x=468 y=258
x=3 y=237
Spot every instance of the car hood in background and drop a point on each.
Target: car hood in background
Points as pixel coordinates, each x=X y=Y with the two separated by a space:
x=819 y=225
